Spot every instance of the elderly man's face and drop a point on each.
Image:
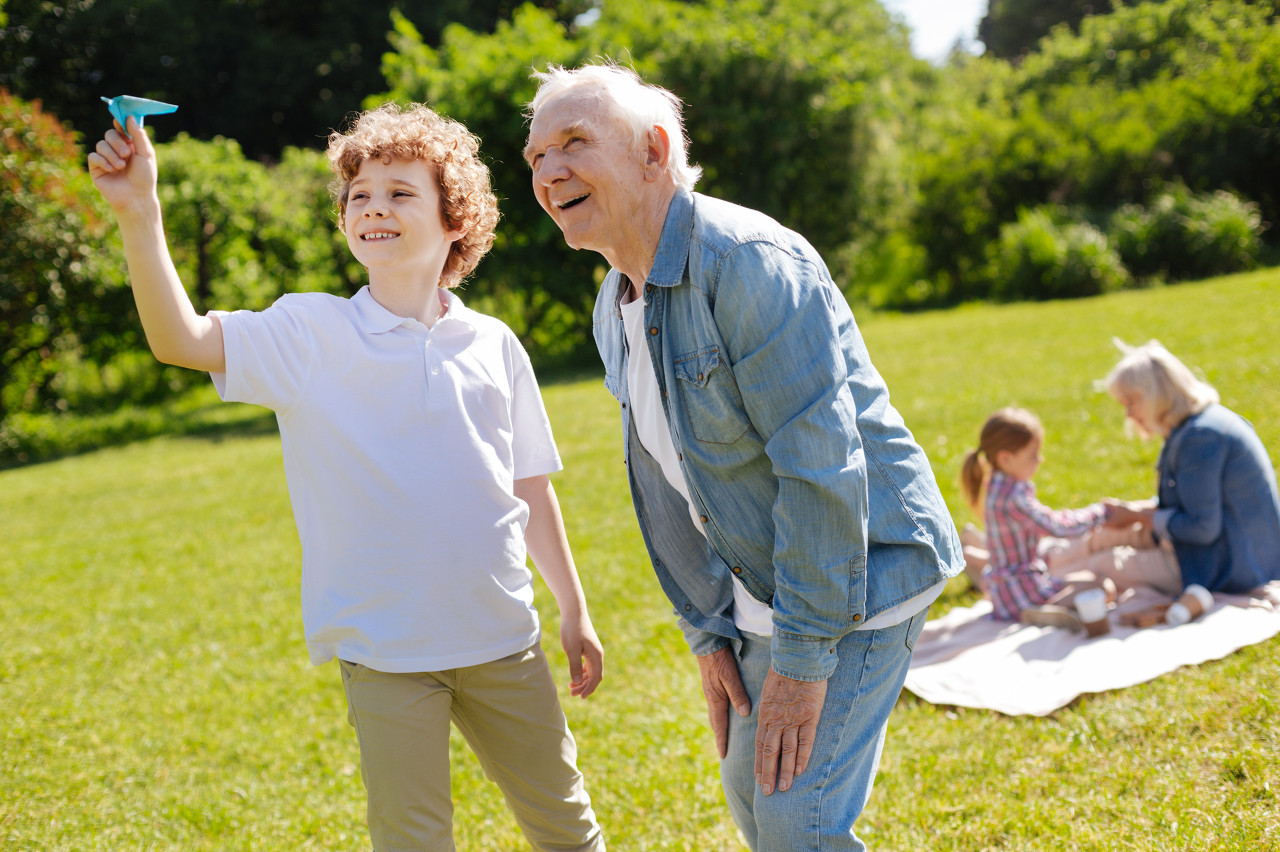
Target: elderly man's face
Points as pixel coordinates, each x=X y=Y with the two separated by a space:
x=586 y=174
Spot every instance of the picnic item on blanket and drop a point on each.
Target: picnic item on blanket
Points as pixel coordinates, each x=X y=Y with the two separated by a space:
x=965 y=658
x=1195 y=600
x=123 y=106
x=1091 y=606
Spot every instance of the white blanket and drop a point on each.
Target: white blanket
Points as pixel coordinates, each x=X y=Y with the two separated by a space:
x=967 y=659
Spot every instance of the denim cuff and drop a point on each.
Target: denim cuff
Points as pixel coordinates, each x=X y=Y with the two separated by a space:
x=804 y=659
x=701 y=642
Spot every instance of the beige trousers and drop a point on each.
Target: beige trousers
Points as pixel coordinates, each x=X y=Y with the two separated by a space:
x=1127 y=556
x=510 y=716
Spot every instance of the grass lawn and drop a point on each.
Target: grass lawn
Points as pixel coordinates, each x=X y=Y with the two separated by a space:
x=157 y=694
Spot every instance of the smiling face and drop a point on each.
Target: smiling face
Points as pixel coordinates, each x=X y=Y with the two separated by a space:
x=393 y=222
x=588 y=174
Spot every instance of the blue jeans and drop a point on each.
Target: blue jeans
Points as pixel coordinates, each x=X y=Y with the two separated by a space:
x=819 y=810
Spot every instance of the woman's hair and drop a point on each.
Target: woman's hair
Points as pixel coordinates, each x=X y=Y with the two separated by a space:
x=1009 y=429
x=637 y=104
x=1166 y=390
x=415 y=132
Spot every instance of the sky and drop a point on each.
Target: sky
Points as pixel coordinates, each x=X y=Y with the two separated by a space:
x=936 y=24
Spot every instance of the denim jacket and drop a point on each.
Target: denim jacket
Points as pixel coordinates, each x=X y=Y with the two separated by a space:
x=809 y=485
x=1218 y=502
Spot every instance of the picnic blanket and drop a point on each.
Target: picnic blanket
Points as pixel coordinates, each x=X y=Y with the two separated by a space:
x=968 y=659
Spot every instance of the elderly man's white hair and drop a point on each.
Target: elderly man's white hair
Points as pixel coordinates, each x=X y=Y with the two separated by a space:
x=640 y=106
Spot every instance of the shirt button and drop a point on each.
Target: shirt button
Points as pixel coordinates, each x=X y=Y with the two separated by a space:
x=624 y=405
x=703 y=518
x=857 y=616
x=653 y=330
x=737 y=570
x=687 y=608
x=679 y=456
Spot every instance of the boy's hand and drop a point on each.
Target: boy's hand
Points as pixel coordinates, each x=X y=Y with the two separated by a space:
x=586 y=655
x=124 y=169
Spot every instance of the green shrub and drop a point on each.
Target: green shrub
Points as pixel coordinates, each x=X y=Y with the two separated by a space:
x=1047 y=255
x=1182 y=236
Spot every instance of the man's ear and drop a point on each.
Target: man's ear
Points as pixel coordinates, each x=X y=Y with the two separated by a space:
x=657 y=152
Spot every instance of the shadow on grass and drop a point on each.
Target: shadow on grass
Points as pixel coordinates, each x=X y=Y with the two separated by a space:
x=27 y=440
x=47 y=439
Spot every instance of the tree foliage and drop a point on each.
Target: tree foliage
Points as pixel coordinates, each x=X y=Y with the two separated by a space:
x=1181 y=91
x=793 y=107
x=268 y=73
x=1011 y=28
x=61 y=281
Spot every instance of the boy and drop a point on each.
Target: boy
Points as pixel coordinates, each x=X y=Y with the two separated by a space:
x=417 y=454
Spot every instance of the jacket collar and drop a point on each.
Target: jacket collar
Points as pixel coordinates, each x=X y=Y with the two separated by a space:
x=672 y=256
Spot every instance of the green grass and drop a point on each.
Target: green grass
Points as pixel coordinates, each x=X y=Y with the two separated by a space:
x=157 y=694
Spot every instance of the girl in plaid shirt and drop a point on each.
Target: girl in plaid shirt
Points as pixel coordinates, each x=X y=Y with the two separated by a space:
x=1016 y=578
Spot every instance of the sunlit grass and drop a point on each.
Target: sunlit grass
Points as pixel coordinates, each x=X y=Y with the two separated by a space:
x=157 y=694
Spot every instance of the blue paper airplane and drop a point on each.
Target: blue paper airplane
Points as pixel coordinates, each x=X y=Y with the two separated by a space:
x=126 y=105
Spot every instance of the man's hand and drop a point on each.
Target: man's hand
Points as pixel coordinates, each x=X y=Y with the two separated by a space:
x=787 y=727
x=722 y=686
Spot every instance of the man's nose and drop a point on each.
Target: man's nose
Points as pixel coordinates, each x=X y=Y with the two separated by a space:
x=551 y=167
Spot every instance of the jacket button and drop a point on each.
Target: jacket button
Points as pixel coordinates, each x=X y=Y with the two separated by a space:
x=687 y=607
x=857 y=616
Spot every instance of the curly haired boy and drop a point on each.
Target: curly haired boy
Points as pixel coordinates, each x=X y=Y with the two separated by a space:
x=417 y=452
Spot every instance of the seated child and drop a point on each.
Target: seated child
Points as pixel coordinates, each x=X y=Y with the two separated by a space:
x=1016 y=577
x=417 y=453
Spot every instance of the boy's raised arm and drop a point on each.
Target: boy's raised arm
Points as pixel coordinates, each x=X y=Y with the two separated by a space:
x=549 y=546
x=124 y=171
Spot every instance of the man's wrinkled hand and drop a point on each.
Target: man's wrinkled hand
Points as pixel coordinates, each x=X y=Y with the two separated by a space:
x=722 y=687
x=786 y=730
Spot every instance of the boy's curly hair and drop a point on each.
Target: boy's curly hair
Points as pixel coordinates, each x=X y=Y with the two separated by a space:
x=416 y=132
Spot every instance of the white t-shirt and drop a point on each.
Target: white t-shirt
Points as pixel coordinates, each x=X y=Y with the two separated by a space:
x=749 y=614
x=401 y=445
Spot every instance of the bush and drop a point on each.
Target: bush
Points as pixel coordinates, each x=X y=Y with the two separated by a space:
x=1182 y=236
x=62 y=288
x=1046 y=255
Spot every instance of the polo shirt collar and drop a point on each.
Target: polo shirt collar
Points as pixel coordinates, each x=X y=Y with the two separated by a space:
x=673 y=246
x=375 y=319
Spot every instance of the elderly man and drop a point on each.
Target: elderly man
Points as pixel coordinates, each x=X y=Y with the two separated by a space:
x=790 y=516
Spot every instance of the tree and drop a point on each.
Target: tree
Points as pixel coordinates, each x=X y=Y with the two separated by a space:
x=1158 y=93
x=1011 y=28
x=61 y=287
x=268 y=73
x=793 y=107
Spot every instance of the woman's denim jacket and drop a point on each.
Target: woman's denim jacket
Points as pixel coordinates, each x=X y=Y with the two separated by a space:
x=810 y=487
x=1218 y=502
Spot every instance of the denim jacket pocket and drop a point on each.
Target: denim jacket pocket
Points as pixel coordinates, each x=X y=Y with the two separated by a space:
x=710 y=396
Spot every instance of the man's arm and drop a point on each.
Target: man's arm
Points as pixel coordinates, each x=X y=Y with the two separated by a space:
x=549 y=546
x=124 y=171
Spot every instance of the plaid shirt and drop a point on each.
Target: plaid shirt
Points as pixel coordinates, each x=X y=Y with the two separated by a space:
x=1016 y=577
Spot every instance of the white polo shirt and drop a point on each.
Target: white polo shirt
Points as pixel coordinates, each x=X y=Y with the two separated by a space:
x=401 y=445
